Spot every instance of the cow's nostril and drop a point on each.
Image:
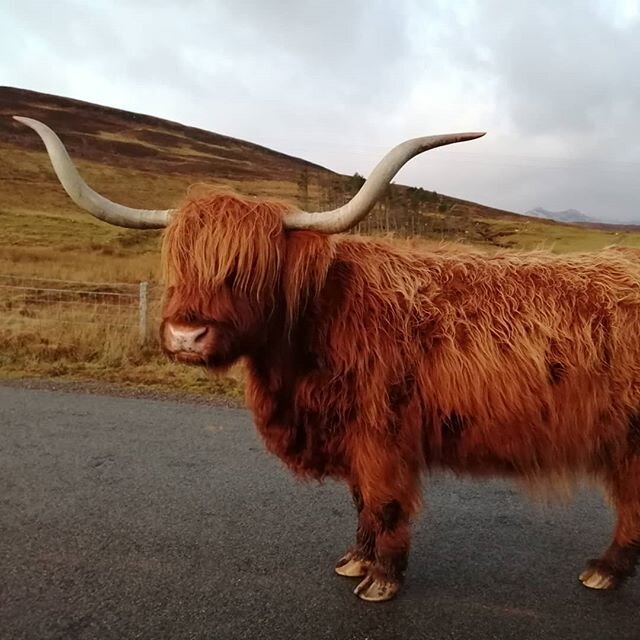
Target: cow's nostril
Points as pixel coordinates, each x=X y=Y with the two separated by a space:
x=200 y=333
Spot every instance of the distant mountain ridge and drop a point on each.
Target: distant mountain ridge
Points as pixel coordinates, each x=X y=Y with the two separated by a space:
x=568 y=215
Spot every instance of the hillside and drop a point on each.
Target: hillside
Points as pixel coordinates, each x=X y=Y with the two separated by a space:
x=85 y=330
x=145 y=161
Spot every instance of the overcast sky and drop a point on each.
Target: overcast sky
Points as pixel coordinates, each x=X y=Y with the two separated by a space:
x=555 y=83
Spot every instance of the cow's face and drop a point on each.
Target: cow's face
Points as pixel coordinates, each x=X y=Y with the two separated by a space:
x=211 y=329
x=222 y=257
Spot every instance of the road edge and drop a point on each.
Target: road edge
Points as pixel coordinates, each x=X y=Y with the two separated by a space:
x=95 y=387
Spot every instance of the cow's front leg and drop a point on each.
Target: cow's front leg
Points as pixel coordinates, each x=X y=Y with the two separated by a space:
x=388 y=496
x=359 y=558
x=389 y=523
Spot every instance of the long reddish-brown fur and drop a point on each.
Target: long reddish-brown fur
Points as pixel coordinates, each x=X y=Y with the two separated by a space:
x=371 y=362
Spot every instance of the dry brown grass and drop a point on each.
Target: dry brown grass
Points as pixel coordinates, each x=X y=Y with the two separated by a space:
x=39 y=340
x=147 y=162
x=75 y=331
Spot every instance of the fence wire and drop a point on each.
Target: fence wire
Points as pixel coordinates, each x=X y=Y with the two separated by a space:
x=43 y=301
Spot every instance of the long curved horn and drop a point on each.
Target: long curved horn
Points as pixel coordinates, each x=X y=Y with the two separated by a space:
x=358 y=207
x=84 y=196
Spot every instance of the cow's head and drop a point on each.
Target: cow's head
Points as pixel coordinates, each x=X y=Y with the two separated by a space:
x=227 y=264
x=222 y=260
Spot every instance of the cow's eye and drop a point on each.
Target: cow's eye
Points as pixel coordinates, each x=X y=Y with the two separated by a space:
x=230 y=279
x=190 y=316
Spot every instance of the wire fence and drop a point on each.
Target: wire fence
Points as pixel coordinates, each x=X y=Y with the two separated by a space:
x=47 y=301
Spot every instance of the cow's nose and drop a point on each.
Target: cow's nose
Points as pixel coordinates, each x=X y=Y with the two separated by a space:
x=181 y=338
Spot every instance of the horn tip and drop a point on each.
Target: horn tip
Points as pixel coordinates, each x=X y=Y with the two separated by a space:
x=23 y=120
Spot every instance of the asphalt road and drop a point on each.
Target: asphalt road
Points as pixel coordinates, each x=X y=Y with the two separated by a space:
x=130 y=518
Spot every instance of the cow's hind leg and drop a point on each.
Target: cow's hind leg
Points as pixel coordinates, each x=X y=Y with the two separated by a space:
x=619 y=560
x=359 y=558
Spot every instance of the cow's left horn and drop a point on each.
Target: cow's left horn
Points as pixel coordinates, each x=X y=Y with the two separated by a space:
x=84 y=196
x=358 y=207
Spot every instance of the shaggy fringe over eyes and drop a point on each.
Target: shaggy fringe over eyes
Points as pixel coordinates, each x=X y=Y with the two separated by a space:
x=224 y=238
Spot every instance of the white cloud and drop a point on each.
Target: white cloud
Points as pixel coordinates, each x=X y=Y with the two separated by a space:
x=339 y=82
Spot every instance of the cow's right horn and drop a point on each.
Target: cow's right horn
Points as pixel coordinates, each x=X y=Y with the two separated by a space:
x=84 y=196
x=348 y=215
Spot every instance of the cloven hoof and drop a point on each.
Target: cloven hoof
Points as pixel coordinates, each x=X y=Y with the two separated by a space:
x=351 y=566
x=597 y=578
x=376 y=589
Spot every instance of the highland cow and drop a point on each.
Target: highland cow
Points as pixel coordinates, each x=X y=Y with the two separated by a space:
x=373 y=363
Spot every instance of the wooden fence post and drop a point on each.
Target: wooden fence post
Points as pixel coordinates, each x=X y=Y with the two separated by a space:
x=142 y=311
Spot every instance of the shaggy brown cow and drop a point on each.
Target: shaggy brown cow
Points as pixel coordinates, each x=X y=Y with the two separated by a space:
x=373 y=363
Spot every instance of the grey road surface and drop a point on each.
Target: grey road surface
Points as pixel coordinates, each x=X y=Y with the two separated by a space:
x=130 y=518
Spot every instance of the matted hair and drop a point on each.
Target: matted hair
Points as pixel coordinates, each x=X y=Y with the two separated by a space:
x=221 y=237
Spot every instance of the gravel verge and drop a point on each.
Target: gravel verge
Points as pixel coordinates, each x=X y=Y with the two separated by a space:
x=121 y=391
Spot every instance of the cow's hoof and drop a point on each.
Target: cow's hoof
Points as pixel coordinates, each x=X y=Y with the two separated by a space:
x=351 y=566
x=597 y=577
x=374 y=589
